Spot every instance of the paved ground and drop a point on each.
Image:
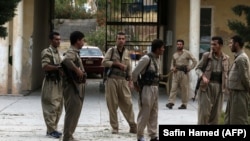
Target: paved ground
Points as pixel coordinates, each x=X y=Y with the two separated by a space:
x=21 y=117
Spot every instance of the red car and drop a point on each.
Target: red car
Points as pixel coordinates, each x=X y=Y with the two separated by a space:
x=92 y=59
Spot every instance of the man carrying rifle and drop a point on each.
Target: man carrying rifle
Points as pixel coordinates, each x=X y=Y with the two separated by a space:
x=213 y=82
x=118 y=84
x=148 y=66
x=180 y=65
x=73 y=85
x=52 y=97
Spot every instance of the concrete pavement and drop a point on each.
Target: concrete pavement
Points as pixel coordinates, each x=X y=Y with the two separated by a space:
x=21 y=117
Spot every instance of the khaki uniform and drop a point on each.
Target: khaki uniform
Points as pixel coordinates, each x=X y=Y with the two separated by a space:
x=73 y=93
x=239 y=88
x=117 y=91
x=210 y=96
x=51 y=98
x=180 y=78
x=148 y=102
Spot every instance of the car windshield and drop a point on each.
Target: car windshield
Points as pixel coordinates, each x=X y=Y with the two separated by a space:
x=90 y=52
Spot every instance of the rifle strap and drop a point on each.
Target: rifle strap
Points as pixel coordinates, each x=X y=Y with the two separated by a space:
x=205 y=65
x=151 y=58
x=106 y=68
x=111 y=56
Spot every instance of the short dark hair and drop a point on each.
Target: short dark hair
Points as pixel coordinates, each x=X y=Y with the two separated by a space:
x=74 y=36
x=156 y=43
x=120 y=33
x=238 y=39
x=219 y=39
x=180 y=40
x=52 y=34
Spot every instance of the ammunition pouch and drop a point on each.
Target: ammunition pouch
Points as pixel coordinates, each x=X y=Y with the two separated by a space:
x=52 y=75
x=119 y=73
x=182 y=68
x=148 y=78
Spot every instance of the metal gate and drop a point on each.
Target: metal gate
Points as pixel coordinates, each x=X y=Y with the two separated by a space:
x=138 y=19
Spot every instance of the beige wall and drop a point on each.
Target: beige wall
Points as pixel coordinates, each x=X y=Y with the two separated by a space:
x=221 y=13
x=28 y=18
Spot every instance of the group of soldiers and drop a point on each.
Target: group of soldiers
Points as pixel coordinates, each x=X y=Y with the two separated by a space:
x=64 y=84
x=218 y=77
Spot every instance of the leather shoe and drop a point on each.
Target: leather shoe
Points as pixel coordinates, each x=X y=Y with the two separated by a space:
x=133 y=130
x=182 y=106
x=114 y=131
x=141 y=139
x=170 y=105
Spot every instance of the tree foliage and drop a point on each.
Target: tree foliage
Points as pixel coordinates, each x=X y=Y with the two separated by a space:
x=64 y=9
x=7 y=12
x=97 y=38
x=243 y=29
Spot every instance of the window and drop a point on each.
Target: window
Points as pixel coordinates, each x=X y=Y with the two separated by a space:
x=205 y=29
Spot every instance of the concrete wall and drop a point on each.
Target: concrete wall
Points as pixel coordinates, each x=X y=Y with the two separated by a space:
x=27 y=47
x=66 y=26
x=41 y=30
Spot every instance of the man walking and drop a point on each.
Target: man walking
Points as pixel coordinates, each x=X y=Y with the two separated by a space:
x=180 y=65
x=118 y=84
x=52 y=97
x=148 y=102
x=212 y=69
x=73 y=84
x=238 y=85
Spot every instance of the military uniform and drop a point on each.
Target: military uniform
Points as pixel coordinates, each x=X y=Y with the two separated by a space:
x=73 y=93
x=148 y=102
x=117 y=91
x=239 y=88
x=181 y=77
x=52 y=97
x=210 y=96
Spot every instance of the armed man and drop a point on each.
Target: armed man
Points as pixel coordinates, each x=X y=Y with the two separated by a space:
x=148 y=66
x=213 y=82
x=52 y=97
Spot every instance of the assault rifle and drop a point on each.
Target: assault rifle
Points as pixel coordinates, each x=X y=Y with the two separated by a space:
x=199 y=79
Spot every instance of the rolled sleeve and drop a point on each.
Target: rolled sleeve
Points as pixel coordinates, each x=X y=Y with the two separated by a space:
x=45 y=57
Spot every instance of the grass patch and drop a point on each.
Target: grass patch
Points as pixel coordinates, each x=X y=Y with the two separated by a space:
x=222 y=117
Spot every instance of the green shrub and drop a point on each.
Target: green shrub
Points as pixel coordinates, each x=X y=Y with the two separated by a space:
x=222 y=117
x=97 y=38
x=63 y=10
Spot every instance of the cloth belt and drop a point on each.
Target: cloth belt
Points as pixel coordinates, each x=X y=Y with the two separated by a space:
x=216 y=77
x=122 y=74
x=155 y=83
x=182 y=68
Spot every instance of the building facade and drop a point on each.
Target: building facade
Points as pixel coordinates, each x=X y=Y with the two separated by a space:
x=194 y=21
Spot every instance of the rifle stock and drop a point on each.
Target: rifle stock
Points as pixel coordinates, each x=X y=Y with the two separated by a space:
x=199 y=80
x=196 y=88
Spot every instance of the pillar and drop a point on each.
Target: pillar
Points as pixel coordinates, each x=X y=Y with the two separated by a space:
x=194 y=38
x=4 y=58
x=17 y=50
